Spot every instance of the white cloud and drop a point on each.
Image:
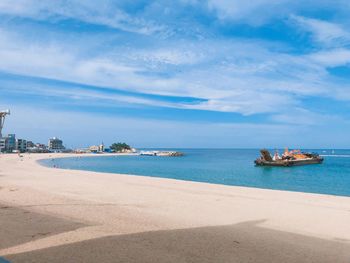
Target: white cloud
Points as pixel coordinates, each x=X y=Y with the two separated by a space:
x=324 y=32
x=331 y=58
x=229 y=74
x=106 y=13
x=237 y=75
x=233 y=76
x=174 y=56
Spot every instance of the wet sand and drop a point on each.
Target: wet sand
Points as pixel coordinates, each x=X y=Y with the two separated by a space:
x=54 y=215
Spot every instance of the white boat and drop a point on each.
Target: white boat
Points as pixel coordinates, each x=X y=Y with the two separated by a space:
x=161 y=153
x=148 y=153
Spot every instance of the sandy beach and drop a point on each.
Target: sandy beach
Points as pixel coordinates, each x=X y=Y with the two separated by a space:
x=56 y=215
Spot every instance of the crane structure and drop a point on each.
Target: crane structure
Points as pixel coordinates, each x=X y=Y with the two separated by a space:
x=2 y=119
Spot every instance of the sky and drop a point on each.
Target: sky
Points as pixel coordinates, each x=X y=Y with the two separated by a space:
x=185 y=73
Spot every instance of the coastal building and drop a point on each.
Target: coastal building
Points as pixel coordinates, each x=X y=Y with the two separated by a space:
x=55 y=145
x=21 y=145
x=8 y=143
x=30 y=144
x=11 y=143
x=2 y=144
x=37 y=148
x=41 y=146
x=97 y=148
x=94 y=149
x=82 y=150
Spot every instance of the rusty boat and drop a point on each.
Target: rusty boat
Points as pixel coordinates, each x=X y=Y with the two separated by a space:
x=293 y=158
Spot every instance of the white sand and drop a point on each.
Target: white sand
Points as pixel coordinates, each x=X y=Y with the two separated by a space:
x=114 y=204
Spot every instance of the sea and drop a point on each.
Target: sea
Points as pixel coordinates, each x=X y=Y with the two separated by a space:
x=226 y=167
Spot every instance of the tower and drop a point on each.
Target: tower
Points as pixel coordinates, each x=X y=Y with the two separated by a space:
x=2 y=119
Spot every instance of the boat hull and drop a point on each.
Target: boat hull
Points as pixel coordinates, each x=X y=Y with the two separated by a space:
x=288 y=163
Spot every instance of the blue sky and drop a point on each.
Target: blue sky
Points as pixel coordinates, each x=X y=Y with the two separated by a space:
x=181 y=73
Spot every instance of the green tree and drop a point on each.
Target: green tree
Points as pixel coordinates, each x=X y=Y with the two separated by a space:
x=119 y=147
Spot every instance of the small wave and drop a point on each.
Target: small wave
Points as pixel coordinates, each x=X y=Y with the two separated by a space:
x=336 y=155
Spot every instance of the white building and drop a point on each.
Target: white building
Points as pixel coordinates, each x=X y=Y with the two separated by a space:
x=55 y=145
x=97 y=148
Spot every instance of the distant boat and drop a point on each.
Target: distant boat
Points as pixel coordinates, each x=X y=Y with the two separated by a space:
x=291 y=160
x=148 y=153
x=161 y=153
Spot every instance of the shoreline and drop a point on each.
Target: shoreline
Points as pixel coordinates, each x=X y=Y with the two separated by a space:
x=102 y=205
x=72 y=155
x=162 y=178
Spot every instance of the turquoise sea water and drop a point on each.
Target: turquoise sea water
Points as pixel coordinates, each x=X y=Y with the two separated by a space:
x=228 y=167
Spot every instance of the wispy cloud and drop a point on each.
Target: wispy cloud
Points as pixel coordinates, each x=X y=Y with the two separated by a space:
x=107 y=14
x=324 y=32
x=251 y=79
x=332 y=58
